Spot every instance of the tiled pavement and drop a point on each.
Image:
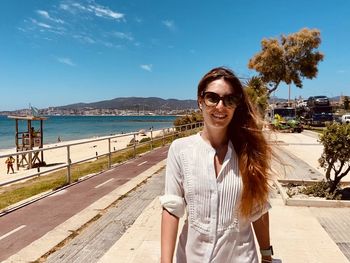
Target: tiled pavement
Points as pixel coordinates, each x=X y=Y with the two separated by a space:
x=336 y=222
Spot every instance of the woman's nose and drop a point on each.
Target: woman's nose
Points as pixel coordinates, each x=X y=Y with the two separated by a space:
x=220 y=104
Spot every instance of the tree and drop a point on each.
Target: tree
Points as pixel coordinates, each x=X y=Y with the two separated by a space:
x=188 y=119
x=257 y=92
x=289 y=59
x=336 y=153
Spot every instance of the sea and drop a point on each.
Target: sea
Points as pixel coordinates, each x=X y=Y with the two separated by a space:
x=81 y=127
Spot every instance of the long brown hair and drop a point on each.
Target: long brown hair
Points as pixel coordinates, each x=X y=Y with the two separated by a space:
x=245 y=133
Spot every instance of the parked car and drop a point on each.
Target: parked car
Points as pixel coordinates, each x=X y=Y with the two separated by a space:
x=345 y=118
x=318 y=101
x=317 y=115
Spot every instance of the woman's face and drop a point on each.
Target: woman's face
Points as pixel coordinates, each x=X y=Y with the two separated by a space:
x=219 y=115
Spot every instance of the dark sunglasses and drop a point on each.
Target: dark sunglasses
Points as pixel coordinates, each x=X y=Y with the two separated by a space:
x=211 y=99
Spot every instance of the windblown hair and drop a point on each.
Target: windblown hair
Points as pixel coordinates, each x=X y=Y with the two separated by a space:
x=245 y=133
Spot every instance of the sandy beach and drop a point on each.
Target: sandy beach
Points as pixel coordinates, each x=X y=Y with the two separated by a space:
x=78 y=152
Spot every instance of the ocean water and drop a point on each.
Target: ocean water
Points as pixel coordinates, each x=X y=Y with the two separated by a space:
x=81 y=127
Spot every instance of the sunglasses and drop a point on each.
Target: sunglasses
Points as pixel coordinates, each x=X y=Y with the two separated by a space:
x=211 y=99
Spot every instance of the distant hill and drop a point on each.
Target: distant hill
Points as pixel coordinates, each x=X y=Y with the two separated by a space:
x=274 y=99
x=136 y=103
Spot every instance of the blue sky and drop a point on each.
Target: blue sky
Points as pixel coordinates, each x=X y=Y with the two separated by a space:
x=55 y=53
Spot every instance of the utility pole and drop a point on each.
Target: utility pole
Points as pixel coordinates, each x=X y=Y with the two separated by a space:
x=289 y=95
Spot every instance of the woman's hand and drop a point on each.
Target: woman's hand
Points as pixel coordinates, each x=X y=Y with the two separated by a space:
x=266 y=259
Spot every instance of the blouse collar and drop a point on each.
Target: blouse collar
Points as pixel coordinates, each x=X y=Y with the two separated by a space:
x=207 y=145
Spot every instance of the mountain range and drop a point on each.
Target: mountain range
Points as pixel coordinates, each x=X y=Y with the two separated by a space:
x=136 y=103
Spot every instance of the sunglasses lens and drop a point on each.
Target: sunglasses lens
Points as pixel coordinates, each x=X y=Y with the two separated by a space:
x=211 y=99
x=230 y=101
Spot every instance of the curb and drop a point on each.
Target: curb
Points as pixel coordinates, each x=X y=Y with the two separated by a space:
x=46 y=244
x=305 y=202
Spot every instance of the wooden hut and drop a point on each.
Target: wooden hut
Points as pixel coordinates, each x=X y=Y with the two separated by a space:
x=27 y=140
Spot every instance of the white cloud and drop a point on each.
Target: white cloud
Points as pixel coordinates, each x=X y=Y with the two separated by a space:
x=122 y=35
x=97 y=10
x=22 y=29
x=105 y=12
x=138 y=20
x=43 y=27
x=76 y=19
x=40 y=24
x=66 y=61
x=84 y=39
x=147 y=67
x=47 y=16
x=109 y=44
x=64 y=7
x=43 y=13
x=169 y=24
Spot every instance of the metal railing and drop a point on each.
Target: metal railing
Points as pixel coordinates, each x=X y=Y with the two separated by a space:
x=166 y=133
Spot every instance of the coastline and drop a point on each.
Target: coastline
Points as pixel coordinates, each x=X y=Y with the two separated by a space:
x=76 y=127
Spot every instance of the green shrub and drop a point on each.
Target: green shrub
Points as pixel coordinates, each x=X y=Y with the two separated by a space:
x=146 y=139
x=195 y=117
x=321 y=189
x=335 y=158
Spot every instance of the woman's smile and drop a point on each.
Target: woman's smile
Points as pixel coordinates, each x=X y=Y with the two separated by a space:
x=219 y=116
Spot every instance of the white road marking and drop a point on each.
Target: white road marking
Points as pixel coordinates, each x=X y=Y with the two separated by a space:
x=13 y=231
x=97 y=186
x=59 y=193
x=142 y=163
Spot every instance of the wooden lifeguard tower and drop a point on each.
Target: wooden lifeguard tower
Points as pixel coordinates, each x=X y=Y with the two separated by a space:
x=28 y=140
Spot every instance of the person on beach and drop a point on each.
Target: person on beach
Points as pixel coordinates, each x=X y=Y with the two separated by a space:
x=220 y=178
x=9 y=162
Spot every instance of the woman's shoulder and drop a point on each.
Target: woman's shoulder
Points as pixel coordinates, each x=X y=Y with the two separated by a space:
x=184 y=142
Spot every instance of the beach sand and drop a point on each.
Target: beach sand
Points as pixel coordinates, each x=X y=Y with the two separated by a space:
x=77 y=152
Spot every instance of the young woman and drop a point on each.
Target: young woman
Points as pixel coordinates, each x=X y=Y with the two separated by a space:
x=220 y=178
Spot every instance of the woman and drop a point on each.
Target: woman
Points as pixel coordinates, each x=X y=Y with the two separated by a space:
x=9 y=162
x=220 y=177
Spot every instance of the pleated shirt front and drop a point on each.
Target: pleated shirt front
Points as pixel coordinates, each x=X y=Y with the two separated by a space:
x=213 y=230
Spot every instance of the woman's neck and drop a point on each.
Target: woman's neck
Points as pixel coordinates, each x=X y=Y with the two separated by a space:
x=217 y=138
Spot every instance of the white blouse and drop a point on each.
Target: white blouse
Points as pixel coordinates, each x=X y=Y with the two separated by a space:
x=213 y=230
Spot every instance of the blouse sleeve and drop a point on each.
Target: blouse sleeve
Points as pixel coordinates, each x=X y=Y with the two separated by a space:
x=259 y=211
x=173 y=198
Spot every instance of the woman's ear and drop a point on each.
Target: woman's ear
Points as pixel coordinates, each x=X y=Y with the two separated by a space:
x=199 y=102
